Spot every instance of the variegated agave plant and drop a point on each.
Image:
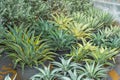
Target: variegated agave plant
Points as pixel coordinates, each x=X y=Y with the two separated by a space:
x=73 y=75
x=25 y=48
x=65 y=65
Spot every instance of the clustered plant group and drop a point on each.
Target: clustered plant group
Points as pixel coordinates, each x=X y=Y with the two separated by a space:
x=78 y=40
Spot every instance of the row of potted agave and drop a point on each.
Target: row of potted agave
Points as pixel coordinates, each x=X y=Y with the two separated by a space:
x=68 y=70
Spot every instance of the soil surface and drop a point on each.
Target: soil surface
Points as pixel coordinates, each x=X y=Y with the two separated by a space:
x=6 y=67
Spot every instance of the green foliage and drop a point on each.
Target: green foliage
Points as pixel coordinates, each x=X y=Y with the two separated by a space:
x=61 y=21
x=65 y=65
x=73 y=75
x=43 y=27
x=26 y=49
x=93 y=71
x=103 y=17
x=22 y=11
x=80 y=30
x=68 y=70
x=103 y=55
x=82 y=5
x=108 y=36
x=81 y=52
x=45 y=74
x=60 y=40
x=94 y=17
x=98 y=38
x=56 y=25
x=113 y=42
x=59 y=6
x=93 y=22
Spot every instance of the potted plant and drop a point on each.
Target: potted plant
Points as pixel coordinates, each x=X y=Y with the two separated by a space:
x=26 y=50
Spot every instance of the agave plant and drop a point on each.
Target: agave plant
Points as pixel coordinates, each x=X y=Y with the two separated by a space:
x=43 y=27
x=78 y=17
x=45 y=74
x=73 y=75
x=105 y=18
x=93 y=71
x=92 y=21
x=103 y=54
x=65 y=65
x=61 y=21
x=98 y=38
x=110 y=32
x=60 y=40
x=80 y=30
x=27 y=49
x=113 y=42
x=81 y=52
x=105 y=35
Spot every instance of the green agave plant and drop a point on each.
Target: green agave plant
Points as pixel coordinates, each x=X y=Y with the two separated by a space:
x=113 y=42
x=14 y=34
x=98 y=38
x=43 y=27
x=81 y=52
x=65 y=65
x=104 y=36
x=73 y=75
x=60 y=40
x=93 y=71
x=45 y=74
x=25 y=49
x=102 y=55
